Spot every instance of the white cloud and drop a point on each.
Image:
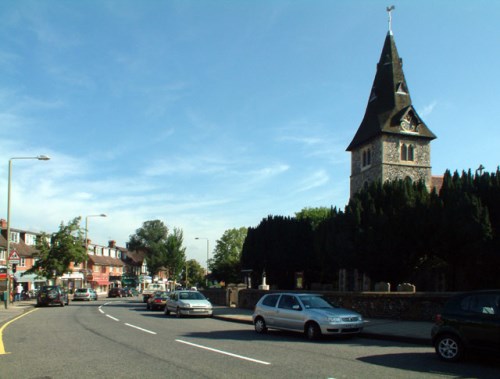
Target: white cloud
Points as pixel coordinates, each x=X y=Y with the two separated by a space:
x=427 y=110
x=314 y=180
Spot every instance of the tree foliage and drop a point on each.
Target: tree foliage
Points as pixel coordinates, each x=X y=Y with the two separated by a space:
x=225 y=264
x=162 y=248
x=195 y=274
x=394 y=232
x=58 y=250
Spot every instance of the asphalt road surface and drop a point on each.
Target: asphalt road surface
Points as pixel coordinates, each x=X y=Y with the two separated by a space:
x=121 y=339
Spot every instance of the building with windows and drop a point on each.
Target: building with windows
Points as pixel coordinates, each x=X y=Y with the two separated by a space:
x=23 y=243
x=392 y=141
x=104 y=266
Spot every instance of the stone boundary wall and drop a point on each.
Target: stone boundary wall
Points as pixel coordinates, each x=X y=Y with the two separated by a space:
x=419 y=306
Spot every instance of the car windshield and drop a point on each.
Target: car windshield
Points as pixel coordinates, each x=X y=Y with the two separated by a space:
x=191 y=296
x=316 y=302
x=81 y=290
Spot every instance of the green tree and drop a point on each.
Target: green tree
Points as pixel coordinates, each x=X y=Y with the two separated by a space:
x=195 y=274
x=225 y=264
x=314 y=215
x=176 y=254
x=58 y=250
x=162 y=249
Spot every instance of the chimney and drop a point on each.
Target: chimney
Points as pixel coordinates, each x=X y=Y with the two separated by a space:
x=3 y=223
x=112 y=244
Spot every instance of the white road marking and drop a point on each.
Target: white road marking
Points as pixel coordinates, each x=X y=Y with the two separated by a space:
x=112 y=318
x=224 y=352
x=144 y=330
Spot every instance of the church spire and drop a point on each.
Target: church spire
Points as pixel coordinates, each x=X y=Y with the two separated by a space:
x=389 y=101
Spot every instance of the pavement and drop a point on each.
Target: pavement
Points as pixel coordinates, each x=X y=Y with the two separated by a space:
x=416 y=332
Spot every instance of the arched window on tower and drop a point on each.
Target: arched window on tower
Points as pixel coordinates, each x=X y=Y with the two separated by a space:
x=407 y=152
x=367 y=157
x=404 y=152
x=410 y=152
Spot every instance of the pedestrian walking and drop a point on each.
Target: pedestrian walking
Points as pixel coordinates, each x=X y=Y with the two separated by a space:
x=19 y=291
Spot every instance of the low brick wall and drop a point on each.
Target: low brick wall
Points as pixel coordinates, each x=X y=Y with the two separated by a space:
x=419 y=306
x=215 y=295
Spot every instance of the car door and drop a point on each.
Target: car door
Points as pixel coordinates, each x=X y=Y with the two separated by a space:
x=482 y=326
x=289 y=313
x=174 y=302
x=268 y=309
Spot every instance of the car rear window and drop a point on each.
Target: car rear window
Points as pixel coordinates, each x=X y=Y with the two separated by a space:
x=270 y=300
x=481 y=303
x=81 y=290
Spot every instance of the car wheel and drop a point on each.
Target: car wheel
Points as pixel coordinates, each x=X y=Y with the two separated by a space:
x=62 y=303
x=449 y=348
x=313 y=331
x=166 y=311
x=178 y=313
x=260 y=325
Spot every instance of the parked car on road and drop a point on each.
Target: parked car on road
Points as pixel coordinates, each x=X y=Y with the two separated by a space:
x=469 y=321
x=84 y=294
x=52 y=295
x=311 y=314
x=116 y=292
x=130 y=292
x=157 y=301
x=188 y=303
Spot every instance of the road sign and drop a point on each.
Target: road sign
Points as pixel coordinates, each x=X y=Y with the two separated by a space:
x=14 y=257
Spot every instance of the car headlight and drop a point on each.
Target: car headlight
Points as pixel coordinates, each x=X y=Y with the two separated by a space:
x=333 y=319
x=186 y=305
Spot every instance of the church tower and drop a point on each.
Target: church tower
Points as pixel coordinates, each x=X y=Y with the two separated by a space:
x=392 y=141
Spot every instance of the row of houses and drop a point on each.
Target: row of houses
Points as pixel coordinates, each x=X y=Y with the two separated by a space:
x=107 y=266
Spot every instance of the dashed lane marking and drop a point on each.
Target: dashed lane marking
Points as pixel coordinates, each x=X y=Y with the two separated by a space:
x=224 y=352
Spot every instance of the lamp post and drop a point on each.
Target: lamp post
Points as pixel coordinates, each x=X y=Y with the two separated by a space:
x=40 y=158
x=87 y=243
x=206 y=272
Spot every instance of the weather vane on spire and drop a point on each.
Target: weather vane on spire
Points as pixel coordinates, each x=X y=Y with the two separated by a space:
x=389 y=10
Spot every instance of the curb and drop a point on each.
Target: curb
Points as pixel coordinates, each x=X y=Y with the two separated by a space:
x=239 y=320
x=364 y=334
x=395 y=338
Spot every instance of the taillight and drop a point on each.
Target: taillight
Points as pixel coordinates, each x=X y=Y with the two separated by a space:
x=438 y=319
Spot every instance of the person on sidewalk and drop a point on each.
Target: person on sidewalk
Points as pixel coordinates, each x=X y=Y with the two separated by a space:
x=19 y=291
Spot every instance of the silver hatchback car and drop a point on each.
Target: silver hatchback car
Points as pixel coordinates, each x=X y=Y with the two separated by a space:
x=311 y=314
x=188 y=303
x=84 y=294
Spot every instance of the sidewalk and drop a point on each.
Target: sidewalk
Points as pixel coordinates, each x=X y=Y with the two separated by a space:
x=15 y=309
x=417 y=332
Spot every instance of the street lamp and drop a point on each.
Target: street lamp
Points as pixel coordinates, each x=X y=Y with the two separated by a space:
x=87 y=243
x=40 y=158
x=206 y=273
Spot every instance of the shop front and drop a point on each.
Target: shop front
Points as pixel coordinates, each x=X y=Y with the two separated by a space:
x=99 y=282
x=72 y=281
x=29 y=281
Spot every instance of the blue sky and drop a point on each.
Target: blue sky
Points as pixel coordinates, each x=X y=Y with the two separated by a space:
x=212 y=115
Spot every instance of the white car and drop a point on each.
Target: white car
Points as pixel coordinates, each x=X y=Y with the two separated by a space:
x=311 y=314
x=188 y=303
x=84 y=294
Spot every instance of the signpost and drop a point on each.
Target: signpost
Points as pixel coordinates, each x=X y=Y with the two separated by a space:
x=14 y=258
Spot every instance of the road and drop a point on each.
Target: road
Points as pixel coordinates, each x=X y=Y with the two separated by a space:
x=121 y=339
